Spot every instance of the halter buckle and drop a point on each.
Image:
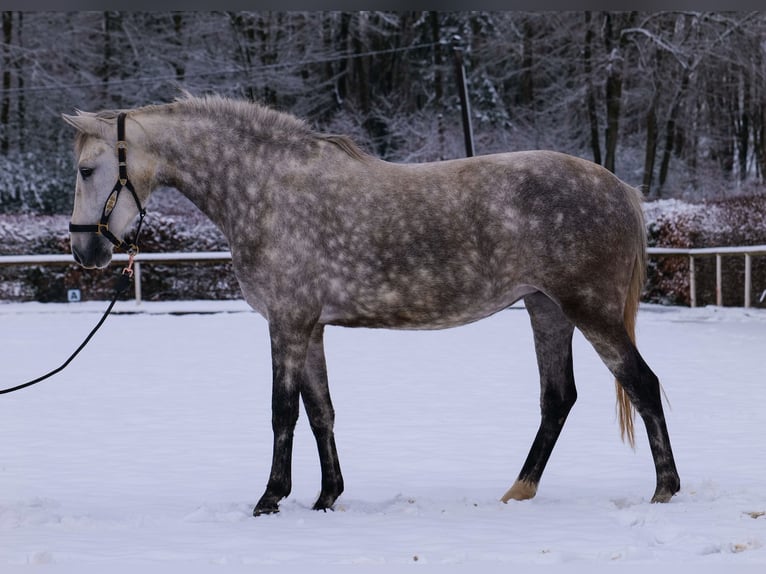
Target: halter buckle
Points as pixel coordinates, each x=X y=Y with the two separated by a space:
x=102 y=228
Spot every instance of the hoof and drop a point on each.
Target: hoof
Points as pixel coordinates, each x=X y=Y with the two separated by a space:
x=521 y=490
x=325 y=503
x=665 y=491
x=266 y=507
x=260 y=511
x=662 y=497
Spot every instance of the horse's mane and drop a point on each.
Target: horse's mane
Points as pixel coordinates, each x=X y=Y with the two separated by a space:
x=270 y=119
x=346 y=144
x=274 y=120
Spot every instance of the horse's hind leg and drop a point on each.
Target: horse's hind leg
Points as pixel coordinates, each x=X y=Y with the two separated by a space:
x=613 y=344
x=553 y=346
x=316 y=399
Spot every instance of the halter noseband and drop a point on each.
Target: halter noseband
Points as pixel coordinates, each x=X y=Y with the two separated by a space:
x=102 y=227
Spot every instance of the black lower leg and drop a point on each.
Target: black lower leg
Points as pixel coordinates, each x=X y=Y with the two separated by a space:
x=556 y=402
x=316 y=399
x=322 y=426
x=280 y=478
x=332 y=479
x=643 y=389
x=554 y=414
x=553 y=346
x=284 y=418
x=288 y=357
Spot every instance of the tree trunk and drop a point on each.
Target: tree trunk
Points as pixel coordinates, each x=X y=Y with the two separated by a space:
x=650 y=154
x=266 y=32
x=344 y=37
x=651 y=146
x=615 y=44
x=759 y=145
x=5 y=104
x=670 y=130
x=21 y=102
x=595 y=141
x=361 y=66
x=742 y=124
x=526 y=87
x=435 y=22
x=245 y=38
x=178 y=64
x=105 y=68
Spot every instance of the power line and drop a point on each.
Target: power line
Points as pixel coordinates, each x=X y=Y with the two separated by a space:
x=228 y=72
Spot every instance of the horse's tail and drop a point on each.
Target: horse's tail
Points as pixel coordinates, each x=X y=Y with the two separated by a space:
x=625 y=409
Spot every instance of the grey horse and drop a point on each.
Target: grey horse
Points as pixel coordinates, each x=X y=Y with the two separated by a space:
x=322 y=233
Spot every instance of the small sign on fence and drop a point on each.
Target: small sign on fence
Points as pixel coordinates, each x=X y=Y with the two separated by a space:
x=73 y=295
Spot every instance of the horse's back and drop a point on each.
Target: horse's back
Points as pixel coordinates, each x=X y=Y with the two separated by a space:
x=446 y=243
x=528 y=210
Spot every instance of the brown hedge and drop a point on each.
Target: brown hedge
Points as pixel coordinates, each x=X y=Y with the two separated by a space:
x=729 y=222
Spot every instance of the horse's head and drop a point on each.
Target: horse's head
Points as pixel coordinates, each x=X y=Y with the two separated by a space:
x=107 y=196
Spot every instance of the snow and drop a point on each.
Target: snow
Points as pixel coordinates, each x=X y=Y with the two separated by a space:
x=674 y=208
x=150 y=450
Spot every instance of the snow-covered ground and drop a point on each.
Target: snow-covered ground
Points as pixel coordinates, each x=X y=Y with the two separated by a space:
x=150 y=450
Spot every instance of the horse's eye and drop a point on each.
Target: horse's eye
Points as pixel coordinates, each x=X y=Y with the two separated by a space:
x=86 y=172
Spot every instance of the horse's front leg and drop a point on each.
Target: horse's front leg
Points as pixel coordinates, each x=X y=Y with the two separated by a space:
x=289 y=346
x=316 y=399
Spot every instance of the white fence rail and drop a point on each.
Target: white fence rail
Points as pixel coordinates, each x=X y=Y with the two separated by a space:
x=221 y=256
x=166 y=258
x=719 y=253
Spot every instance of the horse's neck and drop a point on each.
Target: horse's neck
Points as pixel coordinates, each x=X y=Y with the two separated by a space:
x=200 y=163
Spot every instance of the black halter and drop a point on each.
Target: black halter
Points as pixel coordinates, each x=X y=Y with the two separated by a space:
x=102 y=227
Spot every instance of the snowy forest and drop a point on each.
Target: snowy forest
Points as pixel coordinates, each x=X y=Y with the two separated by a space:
x=671 y=101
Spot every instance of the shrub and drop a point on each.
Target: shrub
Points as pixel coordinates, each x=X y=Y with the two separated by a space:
x=721 y=223
x=25 y=234
x=176 y=226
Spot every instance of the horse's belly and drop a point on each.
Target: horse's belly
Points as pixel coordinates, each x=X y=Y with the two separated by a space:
x=393 y=312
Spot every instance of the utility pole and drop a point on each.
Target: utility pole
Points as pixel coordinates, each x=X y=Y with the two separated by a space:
x=465 y=105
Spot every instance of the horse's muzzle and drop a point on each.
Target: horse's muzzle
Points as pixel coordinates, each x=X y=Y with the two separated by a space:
x=92 y=252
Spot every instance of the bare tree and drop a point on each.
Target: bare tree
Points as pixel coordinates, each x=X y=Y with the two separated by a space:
x=5 y=101
x=672 y=100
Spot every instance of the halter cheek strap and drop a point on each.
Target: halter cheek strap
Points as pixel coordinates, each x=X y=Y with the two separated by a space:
x=102 y=227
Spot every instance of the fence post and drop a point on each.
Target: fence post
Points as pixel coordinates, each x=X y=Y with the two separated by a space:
x=718 y=280
x=748 y=278
x=137 y=281
x=692 y=282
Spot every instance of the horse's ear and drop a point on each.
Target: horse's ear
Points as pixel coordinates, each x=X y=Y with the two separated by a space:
x=85 y=122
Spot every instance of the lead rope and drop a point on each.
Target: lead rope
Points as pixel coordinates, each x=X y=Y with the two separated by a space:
x=123 y=282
